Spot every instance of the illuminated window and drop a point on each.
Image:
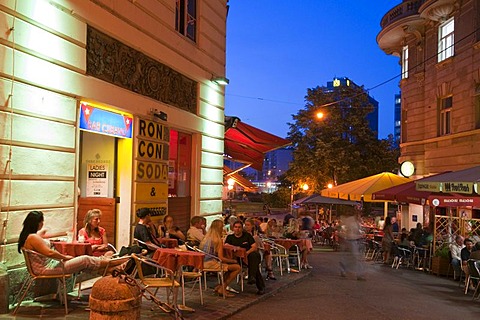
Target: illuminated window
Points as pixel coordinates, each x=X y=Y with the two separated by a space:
x=446 y=40
x=186 y=18
x=405 y=62
x=445 y=110
x=179 y=165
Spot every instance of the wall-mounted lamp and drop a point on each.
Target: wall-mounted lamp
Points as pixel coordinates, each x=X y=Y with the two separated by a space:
x=159 y=114
x=221 y=81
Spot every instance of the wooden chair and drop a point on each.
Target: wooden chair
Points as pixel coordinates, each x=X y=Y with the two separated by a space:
x=164 y=278
x=62 y=277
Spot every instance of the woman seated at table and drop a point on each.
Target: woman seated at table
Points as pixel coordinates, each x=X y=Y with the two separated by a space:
x=94 y=234
x=170 y=230
x=212 y=244
x=29 y=239
x=267 y=257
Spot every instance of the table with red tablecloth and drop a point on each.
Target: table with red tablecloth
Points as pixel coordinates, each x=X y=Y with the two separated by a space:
x=169 y=242
x=232 y=252
x=73 y=249
x=174 y=259
x=288 y=243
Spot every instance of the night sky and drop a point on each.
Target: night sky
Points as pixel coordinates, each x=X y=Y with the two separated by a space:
x=277 y=49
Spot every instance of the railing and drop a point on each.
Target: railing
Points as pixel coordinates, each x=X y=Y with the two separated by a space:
x=403 y=10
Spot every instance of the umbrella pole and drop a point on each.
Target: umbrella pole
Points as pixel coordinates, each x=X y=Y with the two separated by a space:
x=385 y=210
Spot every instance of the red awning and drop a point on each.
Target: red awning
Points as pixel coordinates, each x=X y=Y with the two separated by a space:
x=245 y=183
x=247 y=144
x=454 y=200
x=407 y=193
x=403 y=193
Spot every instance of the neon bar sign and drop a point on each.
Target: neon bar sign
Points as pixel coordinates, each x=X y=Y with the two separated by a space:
x=105 y=122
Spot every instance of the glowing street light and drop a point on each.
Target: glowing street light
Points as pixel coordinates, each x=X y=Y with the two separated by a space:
x=305 y=187
x=330 y=186
x=320 y=115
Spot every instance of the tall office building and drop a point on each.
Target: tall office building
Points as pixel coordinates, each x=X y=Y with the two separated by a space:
x=397 y=120
x=372 y=117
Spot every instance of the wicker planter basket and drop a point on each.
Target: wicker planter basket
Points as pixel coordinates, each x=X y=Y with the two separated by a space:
x=441 y=266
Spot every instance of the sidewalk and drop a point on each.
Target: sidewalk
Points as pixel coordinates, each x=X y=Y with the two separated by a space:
x=214 y=306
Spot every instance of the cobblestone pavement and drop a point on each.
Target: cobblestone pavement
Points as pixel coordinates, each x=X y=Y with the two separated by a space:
x=215 y=307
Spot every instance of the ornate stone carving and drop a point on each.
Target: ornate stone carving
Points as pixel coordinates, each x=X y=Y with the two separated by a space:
x=112 y=61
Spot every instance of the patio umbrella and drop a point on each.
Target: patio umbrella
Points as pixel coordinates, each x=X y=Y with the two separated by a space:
x=362 y=189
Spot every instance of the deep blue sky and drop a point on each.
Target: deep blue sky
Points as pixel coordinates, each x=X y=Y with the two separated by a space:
x=276 y=49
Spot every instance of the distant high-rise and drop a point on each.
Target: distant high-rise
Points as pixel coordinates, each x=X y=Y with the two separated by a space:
x=372 y=117
x=397 y=120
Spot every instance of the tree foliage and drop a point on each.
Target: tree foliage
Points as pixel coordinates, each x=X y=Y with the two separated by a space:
x=341 y=147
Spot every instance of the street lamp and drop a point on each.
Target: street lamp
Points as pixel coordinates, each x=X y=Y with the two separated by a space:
x=304 y=187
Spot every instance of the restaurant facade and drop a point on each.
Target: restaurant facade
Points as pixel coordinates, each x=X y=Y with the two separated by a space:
x=438 y=44
x=113 y=105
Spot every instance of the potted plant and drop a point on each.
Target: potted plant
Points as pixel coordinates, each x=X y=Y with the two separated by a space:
x=441 y=261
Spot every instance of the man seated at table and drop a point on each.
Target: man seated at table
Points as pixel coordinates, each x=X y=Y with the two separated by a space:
x=465 y=255
x=143 y=232
x=196 y=233
x=455 y=249
x=242 y=239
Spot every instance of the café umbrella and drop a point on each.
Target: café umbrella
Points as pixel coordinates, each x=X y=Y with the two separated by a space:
x=363 y=189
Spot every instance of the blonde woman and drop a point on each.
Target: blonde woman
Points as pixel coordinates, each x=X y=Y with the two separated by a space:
x=212 y=244
x=94 y=234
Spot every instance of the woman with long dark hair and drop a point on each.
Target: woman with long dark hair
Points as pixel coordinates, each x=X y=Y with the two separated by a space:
x=29 y=239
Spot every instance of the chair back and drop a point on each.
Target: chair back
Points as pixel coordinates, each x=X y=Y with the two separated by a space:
x=148 y=246
x=28 y=261
x=472 y=266
x=139 y=260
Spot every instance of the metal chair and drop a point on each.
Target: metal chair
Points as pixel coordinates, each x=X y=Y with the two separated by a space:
x=164 y=278
x=219 y=270
x=473 y=277
x=32 y=255
x=279 y=255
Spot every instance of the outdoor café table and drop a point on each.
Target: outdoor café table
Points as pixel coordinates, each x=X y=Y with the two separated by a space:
x=169 y=242
x=232 y=252
x=73 y=249
x=288 y=243
x=175 y=259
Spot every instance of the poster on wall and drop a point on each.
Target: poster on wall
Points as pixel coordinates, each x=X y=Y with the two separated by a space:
x=97 y=180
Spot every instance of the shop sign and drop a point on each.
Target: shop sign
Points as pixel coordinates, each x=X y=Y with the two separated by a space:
x=97 y=180
x=445 y=201
x=428 y=186
x=158 y=210
x=153 y=130
x=147 y=192
x=148 y=171
x=458 y=187
x=105 y=122
x=149 y=150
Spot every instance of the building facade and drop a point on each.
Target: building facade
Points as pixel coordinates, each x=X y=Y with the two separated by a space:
x=110 y=104
x=397 y=127
x=438 y=46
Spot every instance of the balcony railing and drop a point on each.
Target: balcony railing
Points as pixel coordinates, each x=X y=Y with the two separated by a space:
x=403 y=10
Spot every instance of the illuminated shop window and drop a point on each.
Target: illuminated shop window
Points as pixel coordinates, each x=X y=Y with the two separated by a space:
x=179 y=164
